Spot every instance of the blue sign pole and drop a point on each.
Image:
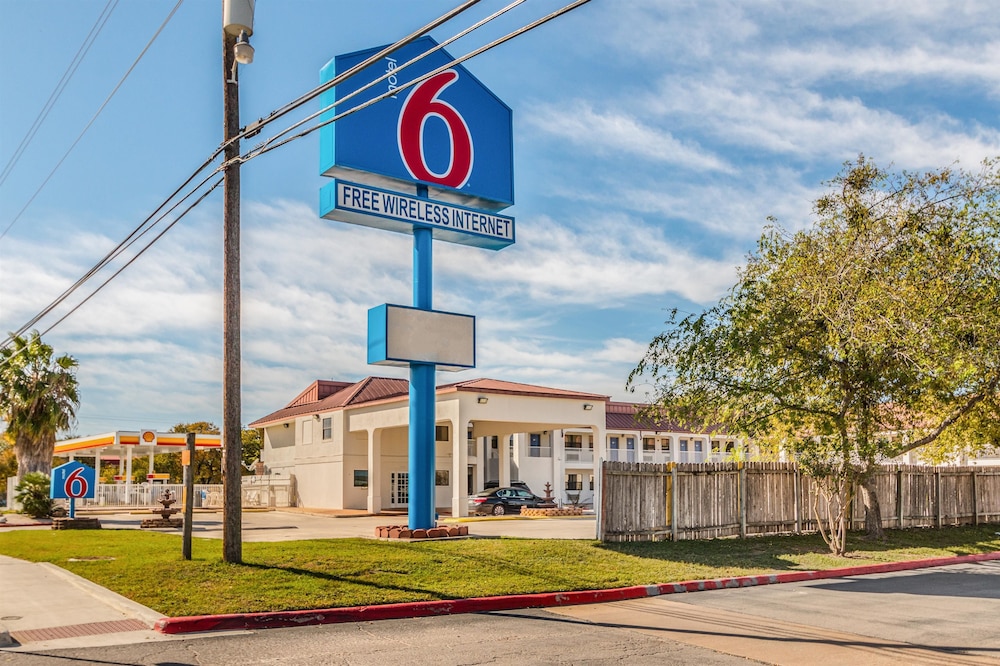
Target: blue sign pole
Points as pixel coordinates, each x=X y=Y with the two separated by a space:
x=422 y=391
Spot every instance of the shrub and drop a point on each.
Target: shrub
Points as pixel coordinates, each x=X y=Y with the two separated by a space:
x=33 y=494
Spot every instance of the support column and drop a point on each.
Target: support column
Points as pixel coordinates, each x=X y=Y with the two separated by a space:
x=503 y=443
x=558 y=463
x=375 y=470
x=128 y=475
x=460 y=468
x=481 y=458
x=422 y=395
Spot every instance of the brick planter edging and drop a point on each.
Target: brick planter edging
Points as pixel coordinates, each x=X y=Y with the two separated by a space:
x=273 y=620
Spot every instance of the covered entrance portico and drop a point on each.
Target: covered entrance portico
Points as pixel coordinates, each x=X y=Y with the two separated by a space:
x=487 y=430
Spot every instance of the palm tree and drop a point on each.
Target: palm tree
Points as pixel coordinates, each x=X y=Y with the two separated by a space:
x=38 y=398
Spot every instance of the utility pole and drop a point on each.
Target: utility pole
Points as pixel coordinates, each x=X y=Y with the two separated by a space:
x=237 y=22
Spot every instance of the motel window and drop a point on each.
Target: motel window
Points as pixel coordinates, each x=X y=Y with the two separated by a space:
x=535 y=450
x=441 y=433
x=574 y=482
x=697 y=445
x=630 y=443
x=684 y=445
x=591 y=481
x=613 y=443
x=648 y=444
x=730 y=446
x=441 y=477
x=327 y=428
x=574 y=441
x=716 y=446
x=665 y=443
x=360 y=478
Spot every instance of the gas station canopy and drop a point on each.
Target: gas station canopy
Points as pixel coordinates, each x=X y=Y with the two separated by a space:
x=126 y=443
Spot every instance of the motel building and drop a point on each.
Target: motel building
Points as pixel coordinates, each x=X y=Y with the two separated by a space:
x=346 y=444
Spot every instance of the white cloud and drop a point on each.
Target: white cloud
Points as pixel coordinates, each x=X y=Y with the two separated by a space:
x=620 y=134
x=808 y=125
x=606 y=260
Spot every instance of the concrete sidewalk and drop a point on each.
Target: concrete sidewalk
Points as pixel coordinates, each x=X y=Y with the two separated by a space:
x=44 y=607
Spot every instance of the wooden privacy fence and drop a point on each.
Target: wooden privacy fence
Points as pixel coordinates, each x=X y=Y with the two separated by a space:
x=647 y=502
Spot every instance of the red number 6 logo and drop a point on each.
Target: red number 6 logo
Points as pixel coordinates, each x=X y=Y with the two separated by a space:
x=423 y=103
x=75 y=484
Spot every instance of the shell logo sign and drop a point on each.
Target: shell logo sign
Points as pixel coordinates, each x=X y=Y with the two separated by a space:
x=147 y=437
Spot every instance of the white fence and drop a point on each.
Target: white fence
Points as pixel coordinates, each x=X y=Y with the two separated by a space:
x=257 y=491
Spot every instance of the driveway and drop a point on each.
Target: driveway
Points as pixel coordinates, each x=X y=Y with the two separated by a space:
x=296 y=525
x=945 y=615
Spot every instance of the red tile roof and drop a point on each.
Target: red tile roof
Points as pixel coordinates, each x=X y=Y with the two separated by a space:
x=514 y=388
x=324 y=395
x=623 y=416
x=319 y=389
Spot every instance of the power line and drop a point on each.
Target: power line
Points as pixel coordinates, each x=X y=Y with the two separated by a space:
x=393 y=72
x=136 y=256
x=81 y=53
x=254 y=127
x=91 y=122
x=142 y=228
x=139 y=231
x=266 y=148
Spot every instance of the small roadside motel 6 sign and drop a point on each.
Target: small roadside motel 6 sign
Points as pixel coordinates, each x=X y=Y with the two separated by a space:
x=447 y=133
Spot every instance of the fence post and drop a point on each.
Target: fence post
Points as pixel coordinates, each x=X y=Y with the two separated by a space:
x=975 y=500
x=797 y=490
x=599 y=506
x=899 y=497
x=937 y=497
x=743 y=501
x=673 y=502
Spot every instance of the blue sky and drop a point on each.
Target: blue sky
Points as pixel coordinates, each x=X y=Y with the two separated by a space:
x=652 y=141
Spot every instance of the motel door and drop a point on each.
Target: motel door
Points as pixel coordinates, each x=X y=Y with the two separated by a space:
x=399 y=489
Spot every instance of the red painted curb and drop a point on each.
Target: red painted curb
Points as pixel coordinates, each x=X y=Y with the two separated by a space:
x=273 y=620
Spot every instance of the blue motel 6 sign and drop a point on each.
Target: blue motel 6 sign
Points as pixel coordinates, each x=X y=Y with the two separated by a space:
x=432 y=158
x=448 y=132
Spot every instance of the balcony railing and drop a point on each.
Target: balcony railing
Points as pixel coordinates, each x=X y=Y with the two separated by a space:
x=540 y=451
x=579 y=455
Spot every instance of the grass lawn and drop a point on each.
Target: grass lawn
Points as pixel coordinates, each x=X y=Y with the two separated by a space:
x=147 y=567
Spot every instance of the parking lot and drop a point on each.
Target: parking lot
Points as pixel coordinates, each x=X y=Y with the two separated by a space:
x=295 y=525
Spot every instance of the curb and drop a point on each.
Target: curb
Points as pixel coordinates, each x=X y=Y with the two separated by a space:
x=273 y=620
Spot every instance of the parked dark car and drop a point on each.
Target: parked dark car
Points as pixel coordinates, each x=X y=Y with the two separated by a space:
x=500 y=501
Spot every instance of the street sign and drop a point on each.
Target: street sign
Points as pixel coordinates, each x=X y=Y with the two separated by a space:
x=72 y=481
x=448 y=132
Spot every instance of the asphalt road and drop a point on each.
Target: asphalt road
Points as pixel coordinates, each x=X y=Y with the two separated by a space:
x=522 y=637
x=942 y=616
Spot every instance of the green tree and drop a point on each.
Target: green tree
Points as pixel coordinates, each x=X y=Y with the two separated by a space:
x=38 y=398
x=868 y=335
x=207 y=465
x=253 y=442
x=33 y=495
x=8 y=462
